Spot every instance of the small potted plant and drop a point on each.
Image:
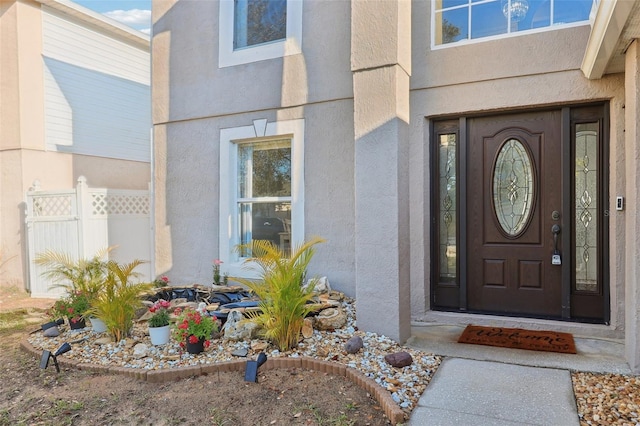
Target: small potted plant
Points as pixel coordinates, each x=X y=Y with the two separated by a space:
x=74 y=306
x=161 y=282
x=159 y=330
x=193 y=330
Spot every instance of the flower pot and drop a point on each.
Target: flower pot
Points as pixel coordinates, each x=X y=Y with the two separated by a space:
x=160 y=335
x=98 y=325
x=195 y=348
x=77 y=325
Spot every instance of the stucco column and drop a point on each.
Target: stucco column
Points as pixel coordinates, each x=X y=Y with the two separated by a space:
x=381 y=66
x=632 y=161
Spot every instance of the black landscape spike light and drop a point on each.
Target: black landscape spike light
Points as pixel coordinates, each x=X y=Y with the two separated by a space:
x=46 y=355
x=52 y=324
x=251 y=371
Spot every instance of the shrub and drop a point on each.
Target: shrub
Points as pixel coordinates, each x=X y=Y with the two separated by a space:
x=283 y=300
x=119 y=299
x=82 y=276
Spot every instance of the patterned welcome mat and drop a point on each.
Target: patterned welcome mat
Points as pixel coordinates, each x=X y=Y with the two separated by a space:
x=519 y=338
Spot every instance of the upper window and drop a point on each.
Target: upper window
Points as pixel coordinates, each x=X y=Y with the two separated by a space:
x=255 y=30
x=463 y=20
x=259 y=21
x=262 y=188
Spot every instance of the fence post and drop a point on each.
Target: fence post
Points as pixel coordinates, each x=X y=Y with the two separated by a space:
x=84 y=210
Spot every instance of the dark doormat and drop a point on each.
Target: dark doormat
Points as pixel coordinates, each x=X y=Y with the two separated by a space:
x=519 y=338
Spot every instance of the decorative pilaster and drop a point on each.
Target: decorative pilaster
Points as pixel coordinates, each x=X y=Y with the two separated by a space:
x=381 y=66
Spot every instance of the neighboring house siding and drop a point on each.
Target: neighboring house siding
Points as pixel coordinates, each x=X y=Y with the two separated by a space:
x=97 y=92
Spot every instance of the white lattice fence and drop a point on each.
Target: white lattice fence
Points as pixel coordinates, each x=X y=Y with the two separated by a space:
x=82 y=221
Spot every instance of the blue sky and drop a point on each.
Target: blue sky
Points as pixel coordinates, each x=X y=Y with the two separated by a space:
x=134 y=13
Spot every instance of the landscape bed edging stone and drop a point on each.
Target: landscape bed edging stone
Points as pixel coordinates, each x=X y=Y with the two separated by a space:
x=390 y=408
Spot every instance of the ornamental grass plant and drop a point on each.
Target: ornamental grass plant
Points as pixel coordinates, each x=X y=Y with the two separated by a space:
x=120 y=297
x=82 y=276
x=283 y=299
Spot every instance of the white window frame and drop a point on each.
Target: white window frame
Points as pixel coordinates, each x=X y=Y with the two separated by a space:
x=291 y=45
x=229 y=228
x=508 y=34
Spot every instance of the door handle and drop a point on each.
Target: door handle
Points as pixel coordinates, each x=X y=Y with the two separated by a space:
x=555 y=257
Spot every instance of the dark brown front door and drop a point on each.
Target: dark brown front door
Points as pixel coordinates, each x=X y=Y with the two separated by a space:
x=514 y=199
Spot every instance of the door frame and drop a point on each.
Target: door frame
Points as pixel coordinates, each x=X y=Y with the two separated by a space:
x=452 y=295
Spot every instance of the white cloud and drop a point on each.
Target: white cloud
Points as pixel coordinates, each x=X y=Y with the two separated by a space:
x=146 y=31
x=131 y=17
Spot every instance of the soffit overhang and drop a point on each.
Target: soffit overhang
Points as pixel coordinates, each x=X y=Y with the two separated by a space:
x=615 y=25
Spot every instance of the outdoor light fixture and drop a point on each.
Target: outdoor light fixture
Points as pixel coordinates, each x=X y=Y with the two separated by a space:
x=251 y=371
x=52 y=324
x=516 y=8
x=46 y=355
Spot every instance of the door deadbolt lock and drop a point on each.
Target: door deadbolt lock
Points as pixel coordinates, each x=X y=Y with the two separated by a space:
x=555 y=215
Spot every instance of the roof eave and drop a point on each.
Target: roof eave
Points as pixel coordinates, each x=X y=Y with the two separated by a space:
x=109 y=25
x=610 y=19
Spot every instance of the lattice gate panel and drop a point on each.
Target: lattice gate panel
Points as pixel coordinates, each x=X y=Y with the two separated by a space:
x=82 y=221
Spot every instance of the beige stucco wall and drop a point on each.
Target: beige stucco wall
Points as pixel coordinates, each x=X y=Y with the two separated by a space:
x=23 y=158
x=632 y=164
x=193 y=99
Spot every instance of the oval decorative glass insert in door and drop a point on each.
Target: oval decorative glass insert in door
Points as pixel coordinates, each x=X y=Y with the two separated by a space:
x=513 y=187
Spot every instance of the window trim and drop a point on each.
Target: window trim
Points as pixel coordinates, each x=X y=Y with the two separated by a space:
x=292 y=45
x=228 y=217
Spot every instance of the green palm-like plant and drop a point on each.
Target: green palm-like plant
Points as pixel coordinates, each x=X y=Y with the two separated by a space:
x=283 y=300
x=119 y=299
x=82 y=276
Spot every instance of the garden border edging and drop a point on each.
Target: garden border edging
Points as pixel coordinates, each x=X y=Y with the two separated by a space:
x=390 y=408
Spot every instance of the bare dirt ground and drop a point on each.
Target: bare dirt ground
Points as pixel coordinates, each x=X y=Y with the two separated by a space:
x=32 y=396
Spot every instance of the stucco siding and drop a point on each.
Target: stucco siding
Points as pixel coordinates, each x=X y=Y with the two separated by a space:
x=187 y=162
x=200 y=89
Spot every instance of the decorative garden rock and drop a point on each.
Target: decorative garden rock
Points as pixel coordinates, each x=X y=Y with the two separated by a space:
x=259 y=346
x=319 y=285
x=237 y=329
x=140 y=351
x=51 y=332
x=103 y=341
x=307 y=328
x=330 y=319
x=354 y=344
x=399 y=359
x=242 y=352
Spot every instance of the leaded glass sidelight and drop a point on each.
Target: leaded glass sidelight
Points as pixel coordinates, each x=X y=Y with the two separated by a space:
x=447 y=152
x=586 y=203
x=513 y=186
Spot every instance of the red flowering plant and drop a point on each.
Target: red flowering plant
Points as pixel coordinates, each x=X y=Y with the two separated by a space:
x=160 y=311
x=194 y=326
x=161 y=281
x=73 y=306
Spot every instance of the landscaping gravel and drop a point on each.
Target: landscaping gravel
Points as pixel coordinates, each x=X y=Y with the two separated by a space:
x=405 y=385
x=607 y=399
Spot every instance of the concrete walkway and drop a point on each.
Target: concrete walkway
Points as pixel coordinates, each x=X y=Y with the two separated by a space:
x=484 y=385
x=468 y=392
